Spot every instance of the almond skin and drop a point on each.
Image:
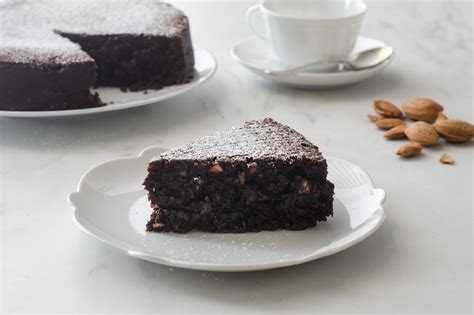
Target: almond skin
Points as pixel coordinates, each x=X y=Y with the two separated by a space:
x=397 y=132
x=446 y=159
x=409 y=149
x=387 y=109
x=373 y=118
x=454 y=130
x=422 y=132
x=216 y=168
x=389 y=123
x=423 y=109
x=441 y=116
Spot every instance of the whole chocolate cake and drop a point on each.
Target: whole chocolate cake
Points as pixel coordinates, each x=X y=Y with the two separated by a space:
x=53 y=51
x=262 y=176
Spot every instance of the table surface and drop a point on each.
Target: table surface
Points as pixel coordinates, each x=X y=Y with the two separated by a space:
x=420 y=260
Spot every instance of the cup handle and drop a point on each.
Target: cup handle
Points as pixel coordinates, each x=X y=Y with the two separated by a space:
x=249 y=19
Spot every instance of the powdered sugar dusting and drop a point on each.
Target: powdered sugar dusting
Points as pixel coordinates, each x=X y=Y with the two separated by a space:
x=29 y=28
x=27 y=48
x=257 y=139
x=120 y=17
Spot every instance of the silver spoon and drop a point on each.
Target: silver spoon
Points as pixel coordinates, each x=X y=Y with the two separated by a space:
x=362 y=60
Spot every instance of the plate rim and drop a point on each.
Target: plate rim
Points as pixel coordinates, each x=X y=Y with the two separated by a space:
x=370 y=225
x=104 y=109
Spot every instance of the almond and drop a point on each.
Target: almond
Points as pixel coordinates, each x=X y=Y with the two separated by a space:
x=242 y=178
x=454 y=130
x=389 y=123
x=397 y=132
x=446 y=159
x=252 y=168
x=305 y=186
x=216 y=168
x=387 y=109
x=373 y=118
x=423 y=109
x=441 y=116
x=422 y=132
x=409 y=149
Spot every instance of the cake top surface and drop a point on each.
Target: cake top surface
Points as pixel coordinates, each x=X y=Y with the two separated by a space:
x=40 y=48
x=257 y=139
x=28 y=28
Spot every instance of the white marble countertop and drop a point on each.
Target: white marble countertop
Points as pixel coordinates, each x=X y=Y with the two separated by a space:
x=419 y=261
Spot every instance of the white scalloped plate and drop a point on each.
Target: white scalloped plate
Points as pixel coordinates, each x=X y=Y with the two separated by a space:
x=204 y=67
x=112 y=206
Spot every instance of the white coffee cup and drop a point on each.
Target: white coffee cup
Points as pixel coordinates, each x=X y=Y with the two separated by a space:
x=304 y=31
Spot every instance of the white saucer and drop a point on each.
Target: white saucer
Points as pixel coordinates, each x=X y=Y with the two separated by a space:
x=255 y=54
x=112 y=206
x=204 y=67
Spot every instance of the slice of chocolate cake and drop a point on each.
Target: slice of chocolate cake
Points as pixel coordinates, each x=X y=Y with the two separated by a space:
x=262 y=176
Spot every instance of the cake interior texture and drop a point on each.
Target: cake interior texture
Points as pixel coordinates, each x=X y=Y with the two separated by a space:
x=263 y=176
x=52 y=52
x=136 y=62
